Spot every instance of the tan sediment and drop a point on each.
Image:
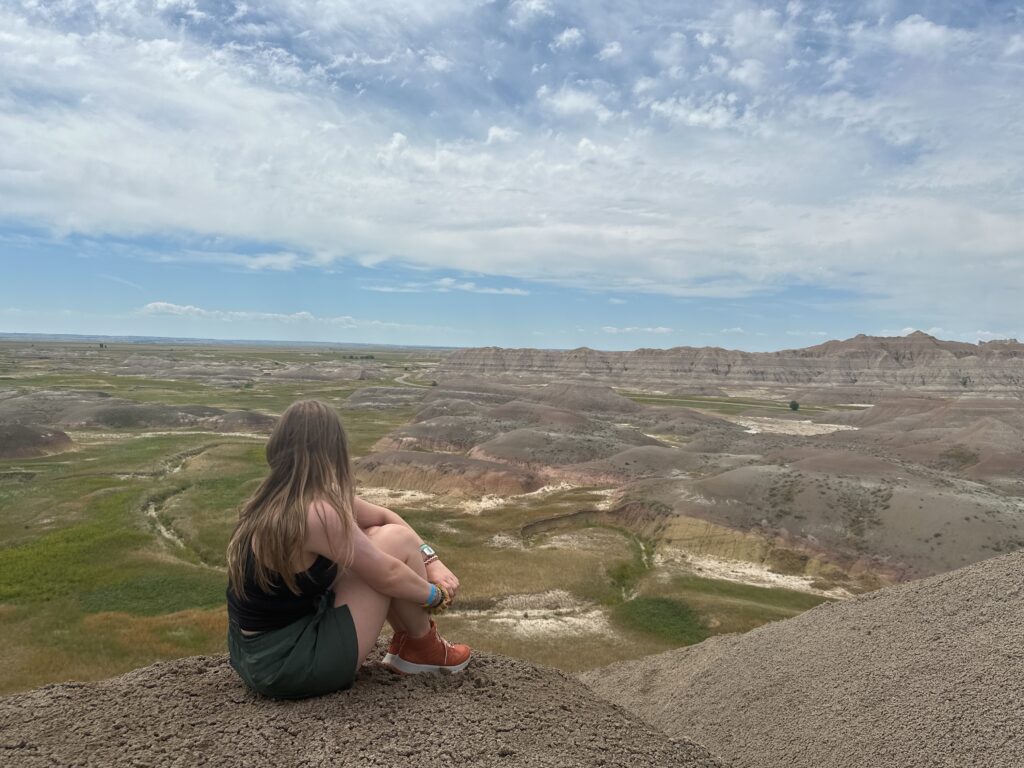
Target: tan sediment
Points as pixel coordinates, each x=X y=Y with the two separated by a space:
x=926 y=673
x=196 y=710
x=757 y=424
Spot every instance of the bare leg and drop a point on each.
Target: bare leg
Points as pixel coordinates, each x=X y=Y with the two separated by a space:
x=398 y=541
x=393 y=618
x=368 y=608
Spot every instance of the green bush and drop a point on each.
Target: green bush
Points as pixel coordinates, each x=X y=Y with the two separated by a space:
x=794 y=405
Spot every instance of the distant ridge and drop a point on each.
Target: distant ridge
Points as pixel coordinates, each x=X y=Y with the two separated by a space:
x=917 y=361
x=93 y=337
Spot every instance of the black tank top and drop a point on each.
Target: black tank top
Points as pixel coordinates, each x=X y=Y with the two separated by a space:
x=261 y=611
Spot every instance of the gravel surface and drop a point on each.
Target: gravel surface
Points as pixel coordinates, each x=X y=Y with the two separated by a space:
x=196 y=711
x=929 y=673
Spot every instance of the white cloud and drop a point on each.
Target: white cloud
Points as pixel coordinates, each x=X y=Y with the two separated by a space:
x=497 y=134
x=122 y=281
x=445 y=285
x=344 y=145
x=759 y=33
x=567 y=40
x=236 y=316
x=573 y=101
x=610 y=51
x=524 y=12
x=645 y=84
x=917 y=36
x=1014 y=46
x=283 y=261
x=438 y=62
x=706 y=39
x=189 y=310
x=972 y=337
x=716 y=113
x=636 y=329
x=749 y=72
x=615 y=300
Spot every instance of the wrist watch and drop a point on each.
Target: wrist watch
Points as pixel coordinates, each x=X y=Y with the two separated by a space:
x=429 y=555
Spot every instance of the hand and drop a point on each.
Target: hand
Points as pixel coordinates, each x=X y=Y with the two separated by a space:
x=442 y=600
x=438 y=573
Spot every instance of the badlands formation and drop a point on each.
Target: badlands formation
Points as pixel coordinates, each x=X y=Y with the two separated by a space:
x=855 y=490
x=868 y=364
x=904 y=461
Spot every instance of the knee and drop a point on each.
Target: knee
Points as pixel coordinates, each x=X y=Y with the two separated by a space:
x=395 y=539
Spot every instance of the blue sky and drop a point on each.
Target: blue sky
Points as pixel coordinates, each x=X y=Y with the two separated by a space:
x=524 y=173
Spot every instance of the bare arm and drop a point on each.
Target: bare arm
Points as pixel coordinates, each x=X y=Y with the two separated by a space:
x=368 y=515
x=385 y=573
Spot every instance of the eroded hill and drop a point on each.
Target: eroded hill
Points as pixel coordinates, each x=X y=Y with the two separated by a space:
x=865 y=364
x=196 y=711
x=922 y=674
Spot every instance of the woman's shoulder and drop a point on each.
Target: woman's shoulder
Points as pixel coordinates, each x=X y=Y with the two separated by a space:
x=324 y=528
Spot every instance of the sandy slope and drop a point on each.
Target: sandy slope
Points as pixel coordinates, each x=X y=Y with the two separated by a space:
x=195 y=711
x=929 y=673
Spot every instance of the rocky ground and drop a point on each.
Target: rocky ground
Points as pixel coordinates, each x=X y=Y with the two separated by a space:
x=196 y=711
x=922 y=674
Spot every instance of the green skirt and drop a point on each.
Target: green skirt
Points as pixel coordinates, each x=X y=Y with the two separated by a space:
x=314 y=655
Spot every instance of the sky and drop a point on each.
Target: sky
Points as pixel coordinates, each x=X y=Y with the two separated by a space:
x=515 y=173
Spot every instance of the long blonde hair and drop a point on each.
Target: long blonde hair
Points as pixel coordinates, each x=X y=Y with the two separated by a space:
x=309 y=461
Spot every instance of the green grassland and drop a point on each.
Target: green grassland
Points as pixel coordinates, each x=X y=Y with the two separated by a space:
x=112 y=555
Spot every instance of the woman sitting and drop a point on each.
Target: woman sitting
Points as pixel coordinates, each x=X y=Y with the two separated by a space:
x=314 y=571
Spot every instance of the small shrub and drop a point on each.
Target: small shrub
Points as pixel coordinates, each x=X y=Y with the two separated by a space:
x=794 y=405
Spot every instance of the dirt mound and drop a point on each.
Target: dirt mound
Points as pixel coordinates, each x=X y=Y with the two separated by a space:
x=47 y=406
x=374 y=398
x=26 y=441
x=446 y=406
x=925 y=673
x=89 y=408
x=583 y=397
x=196 y=711
x=456 y=425
x=540 y=449
x=643 y=461
x=453 y=434
x=242 y=421
x=900 y=524
x=444 y=473
x=525 y=413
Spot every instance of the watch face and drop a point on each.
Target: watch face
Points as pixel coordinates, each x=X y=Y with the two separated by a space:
x=427 y=550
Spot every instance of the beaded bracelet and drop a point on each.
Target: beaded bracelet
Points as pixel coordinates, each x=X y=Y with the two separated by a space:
x=432 y=598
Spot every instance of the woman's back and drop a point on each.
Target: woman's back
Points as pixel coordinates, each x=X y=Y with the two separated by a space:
x=261 y=610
